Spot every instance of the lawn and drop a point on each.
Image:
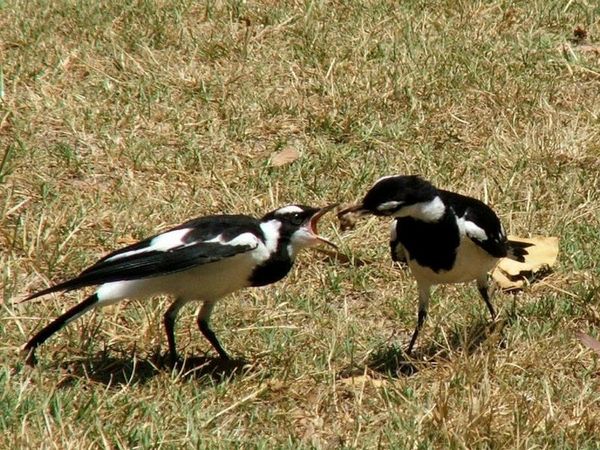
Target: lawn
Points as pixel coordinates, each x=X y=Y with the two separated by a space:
x=121 y=119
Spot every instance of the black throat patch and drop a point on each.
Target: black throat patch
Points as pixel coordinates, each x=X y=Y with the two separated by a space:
x=275 y=268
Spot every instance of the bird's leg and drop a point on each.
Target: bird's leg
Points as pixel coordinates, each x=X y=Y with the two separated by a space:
x=203 y=319
x=169 y=321
x=422 y=315
x=484 y=290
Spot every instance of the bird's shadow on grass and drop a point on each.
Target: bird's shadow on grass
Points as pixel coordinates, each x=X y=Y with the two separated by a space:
x=130 y=370
x=391 y=360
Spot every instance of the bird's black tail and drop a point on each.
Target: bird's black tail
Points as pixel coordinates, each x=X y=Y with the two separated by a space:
x=517 y=250
x=68 y=285
x=41 y=336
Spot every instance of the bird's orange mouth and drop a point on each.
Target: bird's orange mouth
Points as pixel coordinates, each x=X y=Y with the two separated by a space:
x=313 y=224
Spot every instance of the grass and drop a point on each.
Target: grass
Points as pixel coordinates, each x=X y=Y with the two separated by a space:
x=120 y=119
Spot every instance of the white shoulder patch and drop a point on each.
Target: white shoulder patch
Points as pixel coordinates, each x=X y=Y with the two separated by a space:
x=288 y=209
x=434 y=209
x=429 y=211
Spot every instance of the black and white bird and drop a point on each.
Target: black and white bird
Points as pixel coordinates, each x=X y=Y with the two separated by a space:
x=444 y=237
x=203 y=259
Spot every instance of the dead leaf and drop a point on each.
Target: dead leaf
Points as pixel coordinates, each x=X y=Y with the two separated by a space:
x=286 y=156
x=589 y=341
x=127 y=240
x=542 y=255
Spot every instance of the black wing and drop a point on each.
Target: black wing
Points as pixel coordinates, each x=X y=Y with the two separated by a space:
x=196 y=242
x=482 y=224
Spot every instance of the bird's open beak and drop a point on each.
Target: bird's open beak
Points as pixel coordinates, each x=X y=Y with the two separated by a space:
x=312 y=224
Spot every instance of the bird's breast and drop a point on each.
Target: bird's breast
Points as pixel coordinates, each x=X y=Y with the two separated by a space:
x=271 y=271
x=470 y=263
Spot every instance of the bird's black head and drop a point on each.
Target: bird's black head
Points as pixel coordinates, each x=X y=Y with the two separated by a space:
x=400 y=196
x=298 y=224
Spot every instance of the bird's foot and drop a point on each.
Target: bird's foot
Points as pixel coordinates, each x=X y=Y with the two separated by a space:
x=171 y=360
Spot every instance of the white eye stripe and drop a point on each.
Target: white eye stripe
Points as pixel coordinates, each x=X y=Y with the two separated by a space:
x=475 y=231
x=388 y=206
x=288 y=210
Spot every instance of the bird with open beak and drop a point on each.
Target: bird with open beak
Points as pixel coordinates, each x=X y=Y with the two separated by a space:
x=203 y=259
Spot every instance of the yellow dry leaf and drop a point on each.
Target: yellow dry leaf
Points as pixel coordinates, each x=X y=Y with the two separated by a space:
x=286 y=156
x=542 y=255
x=127 y=240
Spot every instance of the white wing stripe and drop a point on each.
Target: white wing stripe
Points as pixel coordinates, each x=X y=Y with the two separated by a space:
x=161 y=243
x=243 y=239
x=169 y=240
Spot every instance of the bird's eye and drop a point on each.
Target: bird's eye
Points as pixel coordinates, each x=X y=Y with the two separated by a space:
x=296 y=219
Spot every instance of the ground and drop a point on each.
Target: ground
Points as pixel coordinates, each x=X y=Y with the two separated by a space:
x=120 y=119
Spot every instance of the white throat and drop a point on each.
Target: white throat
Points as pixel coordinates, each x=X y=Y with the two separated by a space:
x=430 y=211
x=270 y=230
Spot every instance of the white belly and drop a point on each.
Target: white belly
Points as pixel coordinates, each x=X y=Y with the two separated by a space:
x=206 y=282
x=472 y=262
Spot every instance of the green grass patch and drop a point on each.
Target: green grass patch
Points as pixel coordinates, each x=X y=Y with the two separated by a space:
x=118 y=120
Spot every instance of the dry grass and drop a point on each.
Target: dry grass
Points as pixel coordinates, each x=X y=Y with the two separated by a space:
x=119 y=119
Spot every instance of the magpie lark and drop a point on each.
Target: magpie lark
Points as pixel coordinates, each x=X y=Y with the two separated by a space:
x=444 y=237
x=203 y=259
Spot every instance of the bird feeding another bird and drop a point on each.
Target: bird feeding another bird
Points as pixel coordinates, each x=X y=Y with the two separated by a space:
x=443 y=236
x=203 y=259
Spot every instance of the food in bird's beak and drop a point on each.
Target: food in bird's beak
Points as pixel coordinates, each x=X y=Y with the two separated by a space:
x=348 y=216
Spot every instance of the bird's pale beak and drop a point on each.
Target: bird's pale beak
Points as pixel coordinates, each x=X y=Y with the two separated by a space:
x=356 y=209
x=312 y=224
